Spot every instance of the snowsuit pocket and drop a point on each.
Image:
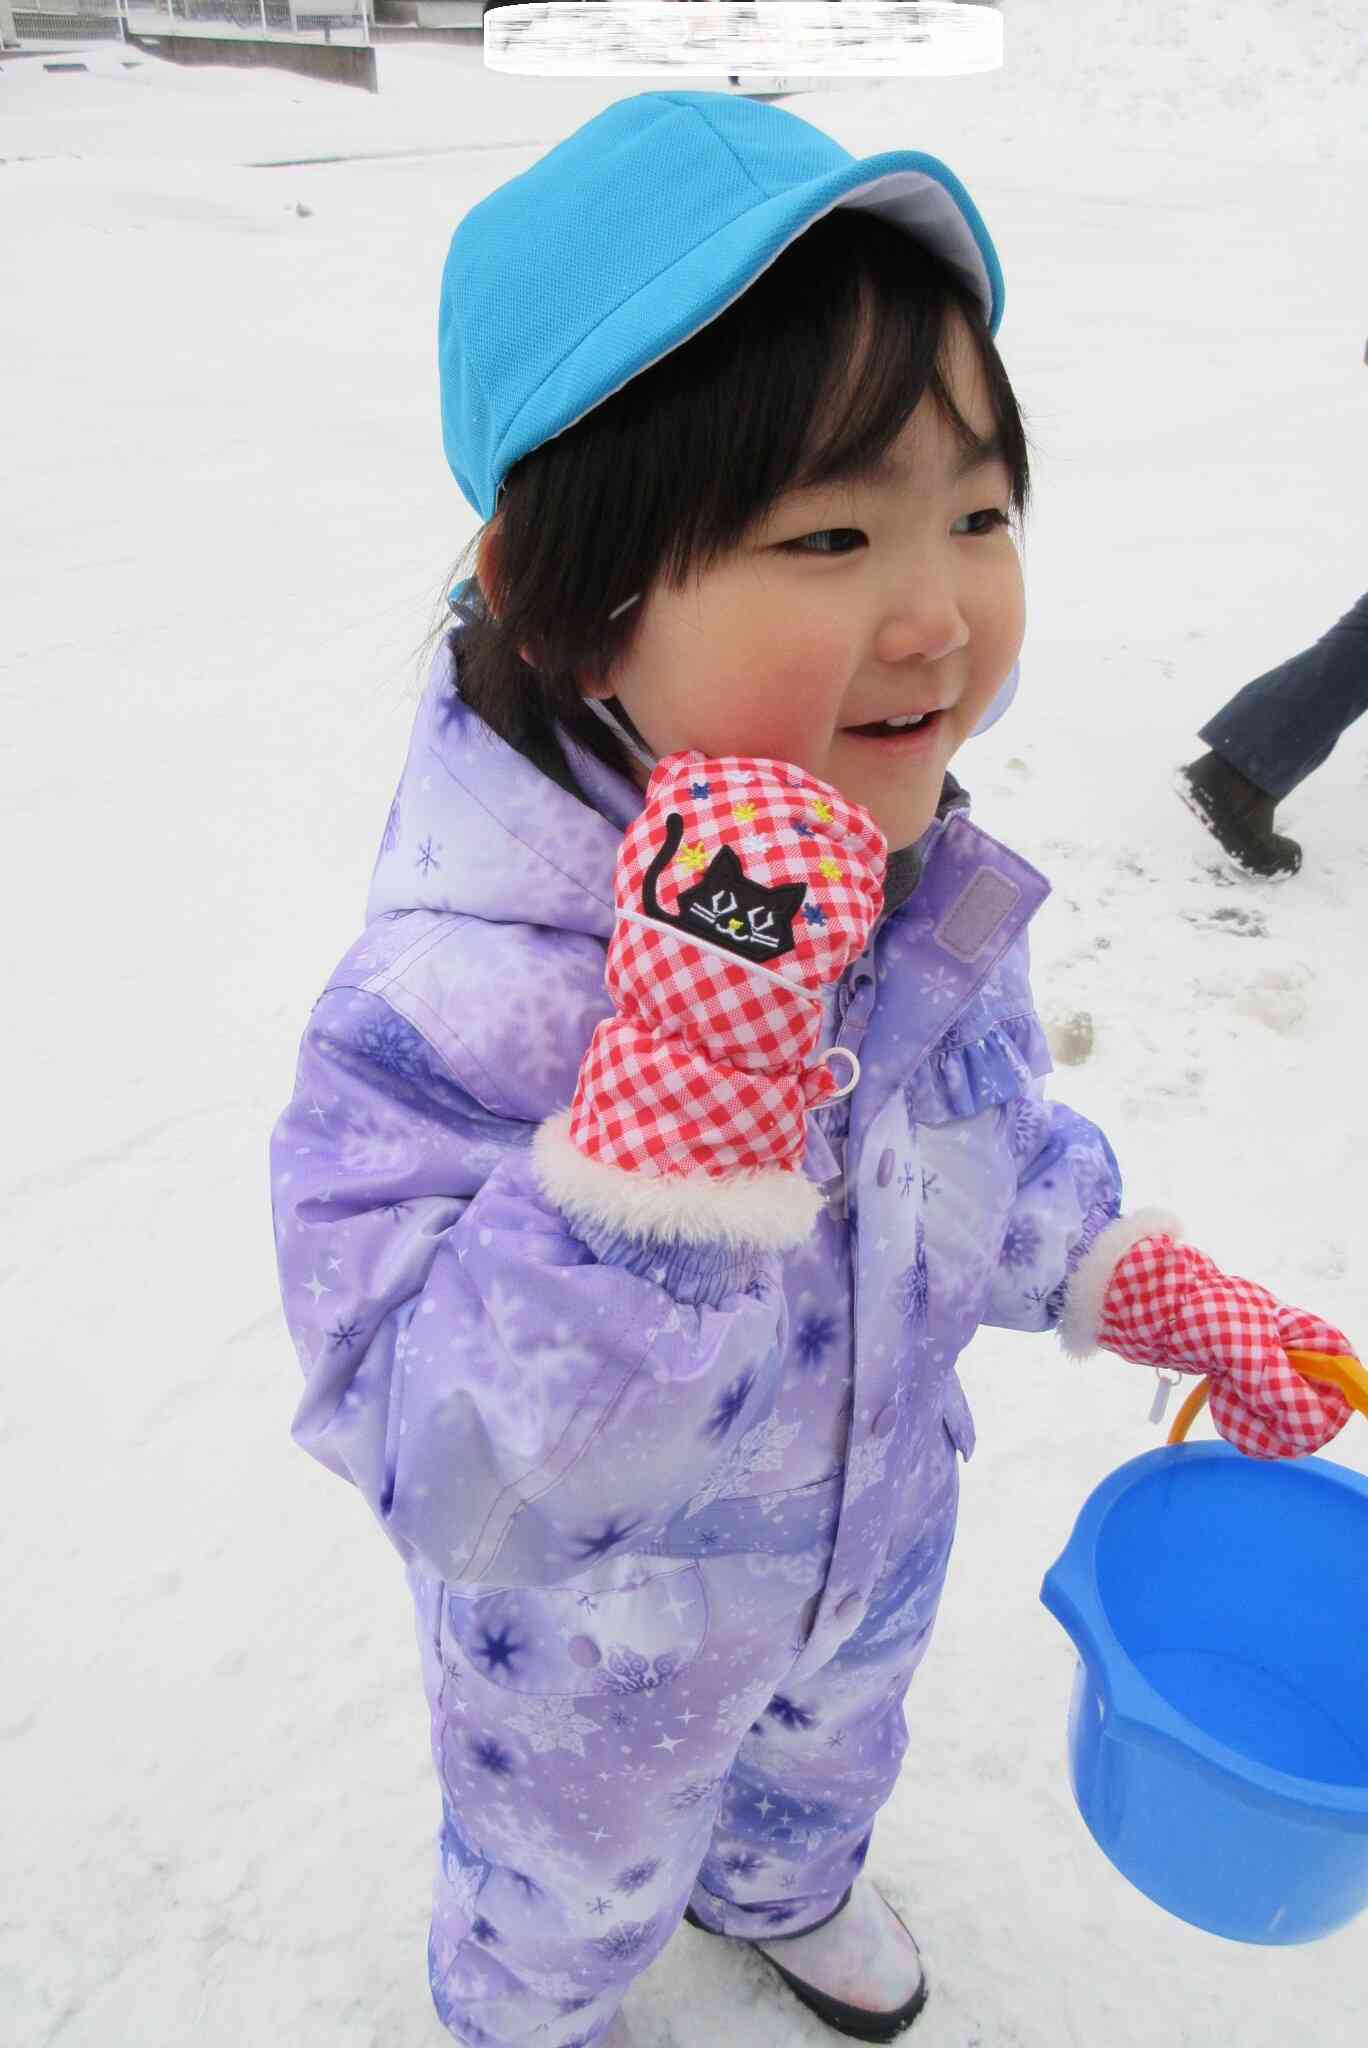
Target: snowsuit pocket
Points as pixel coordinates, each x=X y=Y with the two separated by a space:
x=632 y=1636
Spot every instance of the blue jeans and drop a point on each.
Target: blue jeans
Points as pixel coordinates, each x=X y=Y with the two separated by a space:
x=1281 y=726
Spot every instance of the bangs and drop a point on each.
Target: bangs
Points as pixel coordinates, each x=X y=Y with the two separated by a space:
x=894 y=364
x=812 y=375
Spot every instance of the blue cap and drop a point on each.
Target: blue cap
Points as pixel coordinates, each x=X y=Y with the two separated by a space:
x=631 y=235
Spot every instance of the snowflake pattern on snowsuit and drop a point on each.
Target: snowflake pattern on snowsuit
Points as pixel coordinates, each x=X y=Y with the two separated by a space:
x=675 y=1519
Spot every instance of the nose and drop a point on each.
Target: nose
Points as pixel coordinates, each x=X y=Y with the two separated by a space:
x=923 y=618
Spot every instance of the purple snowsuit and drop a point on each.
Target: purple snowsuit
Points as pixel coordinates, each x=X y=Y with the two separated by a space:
x=676 y=1520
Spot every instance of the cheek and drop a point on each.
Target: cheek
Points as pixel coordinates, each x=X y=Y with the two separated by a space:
x=1011 y=608
x=999 y=633
x=779 y=712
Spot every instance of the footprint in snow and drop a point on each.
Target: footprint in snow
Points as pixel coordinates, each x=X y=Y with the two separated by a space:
x=1279 y=998
x=1245 y=924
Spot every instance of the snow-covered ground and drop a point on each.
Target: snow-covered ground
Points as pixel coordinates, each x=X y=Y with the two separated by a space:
x=230 y=520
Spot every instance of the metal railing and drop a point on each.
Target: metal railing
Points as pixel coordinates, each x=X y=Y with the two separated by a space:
x=75 y=23
x=343 y=20
x=102 y=20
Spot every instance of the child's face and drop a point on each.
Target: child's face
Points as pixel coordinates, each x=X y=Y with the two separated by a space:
x=903 y=600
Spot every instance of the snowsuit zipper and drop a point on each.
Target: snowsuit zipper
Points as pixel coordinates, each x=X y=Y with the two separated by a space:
x=854 y=989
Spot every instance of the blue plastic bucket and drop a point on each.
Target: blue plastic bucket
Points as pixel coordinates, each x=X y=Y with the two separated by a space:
x=1218 y=1732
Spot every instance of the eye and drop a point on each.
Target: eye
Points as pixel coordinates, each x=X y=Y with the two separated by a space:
x=800 y=546
x=994 y=517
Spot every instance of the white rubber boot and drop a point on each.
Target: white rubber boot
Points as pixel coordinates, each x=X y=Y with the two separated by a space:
x=863 y=1967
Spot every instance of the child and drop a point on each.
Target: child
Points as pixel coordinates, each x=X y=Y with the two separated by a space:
x=679 y=1116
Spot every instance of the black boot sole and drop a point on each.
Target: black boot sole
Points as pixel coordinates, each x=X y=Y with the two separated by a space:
x=851 y=2020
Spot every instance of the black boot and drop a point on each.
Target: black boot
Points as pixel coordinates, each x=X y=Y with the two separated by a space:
x=1239 y=815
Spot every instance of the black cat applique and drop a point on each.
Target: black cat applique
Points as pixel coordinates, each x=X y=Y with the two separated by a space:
x=724 y=905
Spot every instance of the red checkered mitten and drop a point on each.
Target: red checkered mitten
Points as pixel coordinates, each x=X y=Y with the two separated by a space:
x=742 y=890
x=1140 y=1293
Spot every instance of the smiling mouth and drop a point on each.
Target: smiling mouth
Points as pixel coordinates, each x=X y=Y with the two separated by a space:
x=882 y=729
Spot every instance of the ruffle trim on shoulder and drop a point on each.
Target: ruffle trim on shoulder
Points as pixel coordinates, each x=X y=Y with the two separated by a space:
x=959 y=1078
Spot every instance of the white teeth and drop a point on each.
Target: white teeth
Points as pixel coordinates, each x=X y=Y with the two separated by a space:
x=915 y=719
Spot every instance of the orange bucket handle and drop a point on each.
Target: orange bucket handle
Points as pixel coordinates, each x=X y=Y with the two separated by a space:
x=1345 y=1373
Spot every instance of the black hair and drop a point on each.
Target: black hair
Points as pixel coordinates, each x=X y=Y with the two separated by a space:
x=814 y=369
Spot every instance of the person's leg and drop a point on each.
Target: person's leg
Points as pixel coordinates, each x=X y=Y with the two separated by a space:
x=1284 y=724
x=820 y=1762
x=582 y=1737
x=569 y=1838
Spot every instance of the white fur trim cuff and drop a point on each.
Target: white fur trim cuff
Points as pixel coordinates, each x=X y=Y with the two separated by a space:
x=768 y=1210
x=1091 y=1277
